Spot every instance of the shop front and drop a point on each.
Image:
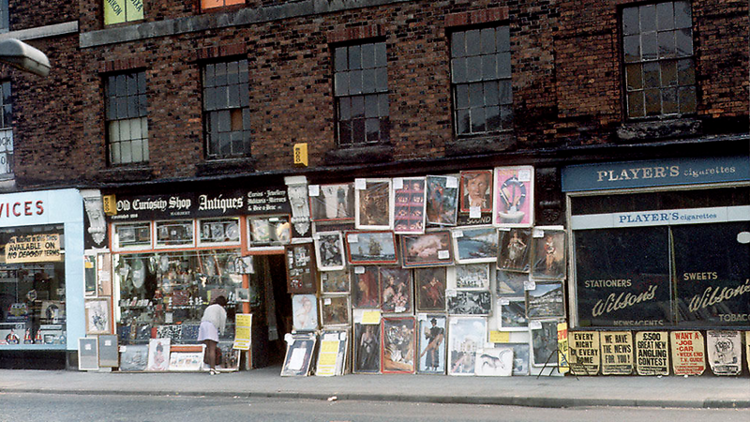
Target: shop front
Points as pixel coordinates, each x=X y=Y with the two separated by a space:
x=41 y=273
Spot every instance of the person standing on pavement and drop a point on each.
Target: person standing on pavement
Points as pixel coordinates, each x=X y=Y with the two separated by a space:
x=213 y=322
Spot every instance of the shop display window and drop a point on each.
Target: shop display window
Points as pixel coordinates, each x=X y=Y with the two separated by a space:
x=32 y=286
x=269 y=232
x=168 y=291
x=131 y=236
x=170 y=234
x=219 y=231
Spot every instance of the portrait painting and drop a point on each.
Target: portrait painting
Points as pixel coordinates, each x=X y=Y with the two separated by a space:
x=430 y=287
x=366 y=348
x=395 y=290
x=515 y=247
x=334 y=310
x=549 y=254
x=472 y=277
x=365 y=287
x=399 y=345
x=158 y=354
x=371 y=247
x=329 y=248
x=545 y=300
x=332 y=202
x=494 y=362
x=305 y=310
x=510 y=283
x=475 y=244
x=409 y=205
x=465 y=336
x=442 y=200
x=476 y=190
x=514 y=196
x=373 y=204
x=431 y=341
x=334 y=281
x=429 y=249
x=298 y=357
x=469 y=302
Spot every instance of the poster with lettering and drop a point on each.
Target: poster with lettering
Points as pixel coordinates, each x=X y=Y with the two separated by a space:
x=652 y=353
x=724 y=352
x=617 y=352
x=622 y=277
x=688 y=352
x=713 y=288
x=563 y=351
x=584 y=352
x=514 y=196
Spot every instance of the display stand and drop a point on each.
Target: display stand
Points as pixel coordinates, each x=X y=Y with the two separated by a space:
x=564 y=360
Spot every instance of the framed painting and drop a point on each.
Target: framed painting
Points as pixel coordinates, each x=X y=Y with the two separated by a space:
x=371 y=247
x=511 y=314
x=494 y=362
x=366 y=348
x=158 y=354
x=300 y=268
x=431 y=341
x=475 y=244
x=134 y=357
x=472 y=277
x=469 y=302
x=98 y=319
x=465 y=336
x=334 y=310
x=476 y=191
x=514 y=196
x=520 y=358
x=515 y=245
x=365 y=287
x=399 y=345
x=373 y=204
x=329 y=251
x=109 y=356
x=549 y=254
x=186 y=357
x=409 y=205
x=396 y=289
x=305 y=310
x=430 y=288
x=546 y=300
x=426 y=250
x=299 y=351
x=509 y=283
x=442 y=200
x=334 y=281
x=270 y=232
x=88 y=354
x=230 y=357
x=543 y=342
x=331 y=202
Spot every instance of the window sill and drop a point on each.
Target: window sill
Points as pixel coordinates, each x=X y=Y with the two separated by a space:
x=480 y=145
x=633 y=132
x=223 y=166
x=126 y=174
x=360 y=155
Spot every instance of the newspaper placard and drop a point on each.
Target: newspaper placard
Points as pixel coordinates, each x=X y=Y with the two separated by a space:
x=584 y=353
x=724 y=352
x=243 y=328
x=688 y=352
x=33 y=248
x=652 y=353
x=563 y=353
x=617 y=353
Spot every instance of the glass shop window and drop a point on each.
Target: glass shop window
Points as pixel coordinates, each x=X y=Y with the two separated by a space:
x=174 y=233
x=219 y=231
x=131 y=236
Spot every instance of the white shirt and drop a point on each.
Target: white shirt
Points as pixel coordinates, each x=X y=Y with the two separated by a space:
x=216 y=315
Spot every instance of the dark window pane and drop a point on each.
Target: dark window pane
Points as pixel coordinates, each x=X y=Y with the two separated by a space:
x=385 y=129
x=632 y=48
x=225 y=121
x=458 y=44
x=491 y=93
x=234 y=96
x=221 y=74
x=684 y=42
x=209 y=75
x=493 y=118
x=358 y=131
x=244 y=73
x=630 y=21
x=477 y=120
x=648 y=46
x=141 y=82
x=381 y=75
x=122 y=108
x=355 y=82
x=372 y=129
x=345 y=132
x=209 y=99
x=243 y=90
x=132 y=106
x=341 y=83
x=669 y=100
x=340 y=60
x=664 y=16
x=633 y=76
x=687 y=100
x=111 y=108
x=222 y=96
x=635 y=104
x=503 y=65
x=462 y=96
x=246 y=121
x=653 y=102
x=668 y=73
x=651 y=75
x=121 y=86
x=369 y=81
x=506 y=115
x=489 y=67
x=476 y=95
x=682 y=15
x=473 y=42
x=503 y=39
x=383 y=105
x=368 y=56
x=488 y=41
x=380 y=55
x=474 y=68
x=462 y=122
x=685 y=72
x=371 y=106
x=648 y=18
x=358 y=107
x=506 y=92
x=459 y=70
x=355 y=57
x=666 y=44
x=132 y=84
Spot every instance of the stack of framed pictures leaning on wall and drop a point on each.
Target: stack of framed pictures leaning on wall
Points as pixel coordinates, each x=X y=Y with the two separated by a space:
x=441 y=274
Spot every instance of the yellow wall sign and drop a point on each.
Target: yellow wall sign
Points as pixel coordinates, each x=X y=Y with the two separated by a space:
x=243 y=324
x=499 y=337
x=300 y=154
x=119 y=11
x=110 y=204
x=33 y=248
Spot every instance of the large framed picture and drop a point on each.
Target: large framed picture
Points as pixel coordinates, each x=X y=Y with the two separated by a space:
x=514 y=196
x=305 y=310
x=334 y=281
x=543 y=342
x=431 y=341
x=430 y=288
x=334 y=310
x=520 y=358
x=186 y=357
x=109 y=355
x=365 y=287
x=476 y=191
x=426 y=250
x=442 y=200
x=409 y=205
x=469 y=302
x=98 y=319
x=298 y=357
x=396 y=289
x=134 y=357
x=549 y=254
x=472 y=277
x=515 y=247
x=88 y=354
x=371 y=247
x=329 y=248
x=332 y=202
x=494 y=361
x=366 y=348
x=399 y=345
x=546 y=300
x=300 y=268
x=373 y=204
x=465 y=335
x=475 y=244
x=158 y=354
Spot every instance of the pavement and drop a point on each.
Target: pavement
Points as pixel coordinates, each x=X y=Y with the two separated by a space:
x=705 y=391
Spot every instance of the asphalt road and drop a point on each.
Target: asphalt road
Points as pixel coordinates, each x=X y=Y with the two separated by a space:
x=70 y=407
